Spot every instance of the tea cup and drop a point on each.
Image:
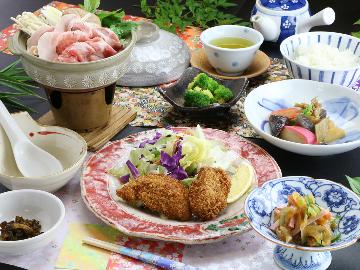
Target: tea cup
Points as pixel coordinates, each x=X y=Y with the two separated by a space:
x=226 y=61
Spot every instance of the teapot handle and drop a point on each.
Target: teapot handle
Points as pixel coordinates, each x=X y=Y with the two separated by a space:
x=323 y=17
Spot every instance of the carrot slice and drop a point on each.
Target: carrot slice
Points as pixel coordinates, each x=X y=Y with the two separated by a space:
x=290 y=113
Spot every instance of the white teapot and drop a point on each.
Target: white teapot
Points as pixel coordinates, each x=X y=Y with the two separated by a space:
x=279 y=19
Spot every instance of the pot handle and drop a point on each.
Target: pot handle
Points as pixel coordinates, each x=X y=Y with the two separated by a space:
x=147 y=32
x=11 y=44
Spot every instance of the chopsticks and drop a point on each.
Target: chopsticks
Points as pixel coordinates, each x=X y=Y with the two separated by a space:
x=143 y=256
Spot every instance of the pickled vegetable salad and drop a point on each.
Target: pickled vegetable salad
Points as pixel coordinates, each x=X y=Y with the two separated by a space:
x=304 y=222
x=177 y=155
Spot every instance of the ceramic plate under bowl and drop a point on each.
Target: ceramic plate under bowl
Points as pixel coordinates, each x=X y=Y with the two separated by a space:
x=341 y=103
x=175 y=93
x=259 y=65
x=98 y=192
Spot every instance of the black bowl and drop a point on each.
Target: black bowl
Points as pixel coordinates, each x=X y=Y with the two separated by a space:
x=175 y=93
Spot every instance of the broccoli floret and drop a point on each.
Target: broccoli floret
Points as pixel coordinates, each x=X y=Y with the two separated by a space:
x=203 y=91
x=204 y=82
x=196 y=98
x=209 y=94
x=223 y=94
x=197 y=88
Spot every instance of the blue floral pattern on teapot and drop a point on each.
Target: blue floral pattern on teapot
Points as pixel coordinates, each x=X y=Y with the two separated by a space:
x=283 y=4
x=279 y=19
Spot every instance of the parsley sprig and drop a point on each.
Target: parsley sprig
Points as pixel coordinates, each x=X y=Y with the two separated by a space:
x=173 y=15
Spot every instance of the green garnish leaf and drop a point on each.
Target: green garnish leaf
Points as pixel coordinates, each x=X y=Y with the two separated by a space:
x=308 y=111
x=123 y=29
x=354 y=184
x=187 y=182
x=356 y=34
x=108 y=18
x=91 y=5
x=114 y=20
x=173 y=15
x=336 y=238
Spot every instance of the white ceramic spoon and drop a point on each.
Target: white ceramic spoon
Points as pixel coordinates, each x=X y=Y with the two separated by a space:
x=32 y=161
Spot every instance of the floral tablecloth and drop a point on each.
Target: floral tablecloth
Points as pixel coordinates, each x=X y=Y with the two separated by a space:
x=246 y=251
x=153 y=110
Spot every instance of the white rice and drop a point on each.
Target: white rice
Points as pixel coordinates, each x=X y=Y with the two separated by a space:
x=324 y=56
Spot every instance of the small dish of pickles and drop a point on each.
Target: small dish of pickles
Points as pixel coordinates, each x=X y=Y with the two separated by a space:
x=29 y=219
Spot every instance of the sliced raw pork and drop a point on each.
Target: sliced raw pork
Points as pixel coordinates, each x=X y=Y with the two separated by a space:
x=33 y=40
x=73 y=41
x=102 y=49
x=84 y=27
x=47 y=46
x=109 y=36
x=65 y=21
x=77 y=52
x=70 y=37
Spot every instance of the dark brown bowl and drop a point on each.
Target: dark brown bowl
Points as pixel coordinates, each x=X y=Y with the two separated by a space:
x=175 y=93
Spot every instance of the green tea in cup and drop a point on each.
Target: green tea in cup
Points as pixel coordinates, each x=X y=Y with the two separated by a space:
x=231 y=42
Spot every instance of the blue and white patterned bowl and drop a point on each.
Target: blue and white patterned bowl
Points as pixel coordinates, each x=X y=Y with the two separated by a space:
x=345 y=77
x=342 y=105
x=341 y=201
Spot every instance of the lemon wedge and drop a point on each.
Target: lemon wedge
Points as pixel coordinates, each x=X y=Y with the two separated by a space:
x=241 y=181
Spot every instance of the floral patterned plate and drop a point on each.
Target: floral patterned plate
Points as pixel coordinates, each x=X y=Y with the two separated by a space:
x=98 y=192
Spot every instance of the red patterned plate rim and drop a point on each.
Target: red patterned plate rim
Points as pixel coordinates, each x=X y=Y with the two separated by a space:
x=96 y=195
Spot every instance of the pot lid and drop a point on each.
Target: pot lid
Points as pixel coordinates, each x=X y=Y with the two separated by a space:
x=283 y=5
x=158 y=57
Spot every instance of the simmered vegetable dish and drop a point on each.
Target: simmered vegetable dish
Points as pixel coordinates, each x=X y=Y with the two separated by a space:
x=305 y=123
x=302 y=221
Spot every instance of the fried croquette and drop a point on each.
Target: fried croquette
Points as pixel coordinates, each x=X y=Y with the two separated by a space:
x=159 y=193
x=208 y=193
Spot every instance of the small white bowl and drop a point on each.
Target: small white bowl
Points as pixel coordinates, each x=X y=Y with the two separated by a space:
x=66 y=145
x=31 y=204
x=341 y=76
x=342 y=105
x=231 y=62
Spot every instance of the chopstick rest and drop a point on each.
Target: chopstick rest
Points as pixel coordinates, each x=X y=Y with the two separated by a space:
x=143 y=256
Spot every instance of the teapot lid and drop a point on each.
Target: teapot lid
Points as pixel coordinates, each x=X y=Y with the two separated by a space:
x=283 y=5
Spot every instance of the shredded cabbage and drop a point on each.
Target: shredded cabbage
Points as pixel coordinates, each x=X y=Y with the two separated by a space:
x=199 y=151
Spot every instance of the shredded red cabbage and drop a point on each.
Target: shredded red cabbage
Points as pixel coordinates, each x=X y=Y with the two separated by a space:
x=125 y=178
x=172 y=163
x=151 y=141
x=179 y=173
x=133 y=170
